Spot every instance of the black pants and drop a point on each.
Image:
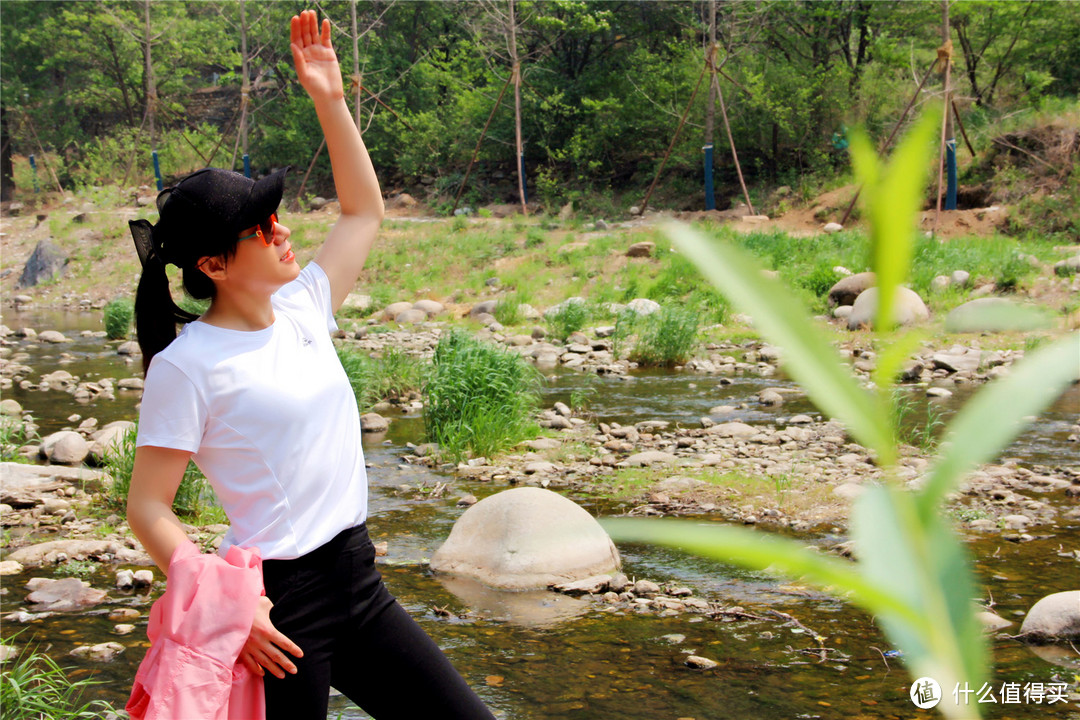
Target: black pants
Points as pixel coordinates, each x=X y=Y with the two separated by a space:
x=356 y=637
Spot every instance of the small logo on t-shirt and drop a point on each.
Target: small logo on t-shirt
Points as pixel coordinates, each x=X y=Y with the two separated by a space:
x=305 y=342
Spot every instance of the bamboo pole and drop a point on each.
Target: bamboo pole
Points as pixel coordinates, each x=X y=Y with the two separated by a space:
x=731 y=141
x=476 y=151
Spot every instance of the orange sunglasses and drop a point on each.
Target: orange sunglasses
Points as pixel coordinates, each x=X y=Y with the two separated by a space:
x=264 y=231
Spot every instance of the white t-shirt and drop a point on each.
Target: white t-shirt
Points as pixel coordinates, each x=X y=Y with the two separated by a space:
x=271 y=419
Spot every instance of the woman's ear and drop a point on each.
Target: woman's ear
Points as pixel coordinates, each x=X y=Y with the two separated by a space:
x=214 y=267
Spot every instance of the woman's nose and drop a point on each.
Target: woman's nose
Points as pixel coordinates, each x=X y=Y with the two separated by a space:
x=281 y=233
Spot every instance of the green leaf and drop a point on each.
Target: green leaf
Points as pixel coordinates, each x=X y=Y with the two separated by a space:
x=809 y=358
x=925 y=567
x=995 y=416
x=892 y=196
x=892 y=355
x=762 y=551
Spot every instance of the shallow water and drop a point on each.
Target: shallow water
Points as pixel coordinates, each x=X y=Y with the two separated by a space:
x=579 y=660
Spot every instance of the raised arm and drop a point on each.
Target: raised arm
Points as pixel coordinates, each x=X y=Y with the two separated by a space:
x=343 y=254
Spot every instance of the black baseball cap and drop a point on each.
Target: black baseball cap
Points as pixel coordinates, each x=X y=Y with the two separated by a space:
x=204 y=213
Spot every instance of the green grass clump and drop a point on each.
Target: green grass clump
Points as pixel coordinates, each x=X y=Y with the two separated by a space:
x=480 y=398
x=14 y=433
x=195 y=501
x=568 y=318
x=34 y=686
x=667 y=337
x=374 y=379
x=118 y=316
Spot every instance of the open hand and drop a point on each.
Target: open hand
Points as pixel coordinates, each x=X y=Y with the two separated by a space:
x=316 y=62
x=266 y=647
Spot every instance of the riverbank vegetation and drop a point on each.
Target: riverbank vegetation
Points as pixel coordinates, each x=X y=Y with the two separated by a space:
x=602 y=88
x=33 y=685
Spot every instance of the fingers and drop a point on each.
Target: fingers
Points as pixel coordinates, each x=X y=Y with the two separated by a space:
x=325 y=32
x=286 y=644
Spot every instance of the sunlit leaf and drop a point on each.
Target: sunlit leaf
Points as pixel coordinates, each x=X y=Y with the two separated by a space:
x=996 y=414
x=809 y=358
x=760 y=551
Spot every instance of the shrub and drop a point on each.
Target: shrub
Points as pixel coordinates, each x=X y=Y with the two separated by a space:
x=569 y=317
x=667 y=337
x=34 y=686
x=375 y=379
x=118 y=316
x=480 y=397
x=194 y=500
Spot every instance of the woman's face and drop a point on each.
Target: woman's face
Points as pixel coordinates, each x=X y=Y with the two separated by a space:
x=260 y=265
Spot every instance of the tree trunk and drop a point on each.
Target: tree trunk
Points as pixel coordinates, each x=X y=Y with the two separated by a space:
x=710 y=107
x=7 y=172
x=245 y=80
x=151 y=86
x=356 y=60
x=519 y=159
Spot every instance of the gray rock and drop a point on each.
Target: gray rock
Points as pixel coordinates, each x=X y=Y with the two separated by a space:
x=66 y=447
x=486 y=307
x=700 y=663
x=543 y=444
x=641 y=249
x=410 y=317
x=431 y=307
x=526 y=538
x=847 y=289
x=64 y=595
x=130 y=383
x=144 y=578
x=392 y=310
x=960 y=277
x=954 y=361
x=1069 y=266
x=40 y=553
x=109 y=439
x=373 y=423
x=10 y=408
x=635 y=210
x=467 y=500
x=842 y=312
x=643 y=306
x=540 y=466
x=53 y=336
x=646 y=588
x=649 y=457
x=125 y=579
x=123 y=629
x=1054 y=617
x=102 y=652
x=939 y=283
x=907 y=310
x=46 y=262
x=833 y=227
x=131 y=347
x=938 y=392
x=357 y=302
x=770 y=397
x=733 y=429
x=992 y=622
x=10 y=567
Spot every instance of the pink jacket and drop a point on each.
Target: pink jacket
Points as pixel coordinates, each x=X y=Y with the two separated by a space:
x=197 y=630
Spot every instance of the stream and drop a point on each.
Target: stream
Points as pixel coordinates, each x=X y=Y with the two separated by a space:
x=546 y=656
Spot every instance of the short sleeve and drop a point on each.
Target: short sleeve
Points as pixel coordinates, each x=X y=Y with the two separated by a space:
x=173 y=414
x=311 y=290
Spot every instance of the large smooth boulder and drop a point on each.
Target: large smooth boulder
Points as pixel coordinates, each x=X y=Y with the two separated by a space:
x=908 y=308
x=1055 y=617
x=847 y=289
x=109 y=439
x=392 y=310
x=526 y=538
x=46 y=262
x=430 y=307
x=66 y=447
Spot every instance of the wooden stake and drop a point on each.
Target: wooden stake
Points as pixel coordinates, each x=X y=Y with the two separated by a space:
x=476 y=150
x=682 y=120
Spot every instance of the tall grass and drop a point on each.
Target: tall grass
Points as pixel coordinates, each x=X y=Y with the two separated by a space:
x=667 y=337
x=118 y=315
x=34 y=686
x=14 y=433
x=376 y=378
x=567 y=319
x=480 y=398
x=195 y=501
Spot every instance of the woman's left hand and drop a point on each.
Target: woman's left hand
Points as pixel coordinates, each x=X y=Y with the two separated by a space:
x=316 y=62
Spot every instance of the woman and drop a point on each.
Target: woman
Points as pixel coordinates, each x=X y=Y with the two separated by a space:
x=253 y=392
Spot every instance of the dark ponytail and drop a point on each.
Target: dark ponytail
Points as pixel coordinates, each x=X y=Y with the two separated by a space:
x=156 y=315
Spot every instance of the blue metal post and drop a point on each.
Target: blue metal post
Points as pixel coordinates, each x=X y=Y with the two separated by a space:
x=950 y=166
x=710 y=198
x=524 y=189
x=247 y=166
x=157 y=170
x=33 y=166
